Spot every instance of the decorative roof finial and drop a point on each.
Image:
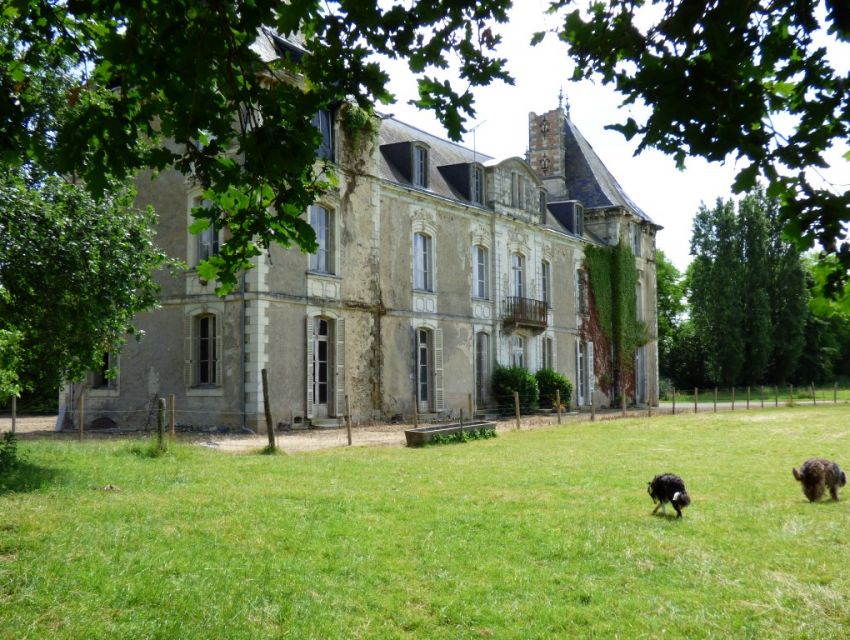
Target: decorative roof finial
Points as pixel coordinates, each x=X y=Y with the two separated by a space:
x=561 y=98
x=567 y=106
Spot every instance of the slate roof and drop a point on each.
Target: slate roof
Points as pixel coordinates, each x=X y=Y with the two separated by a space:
x=441 y=153
x=588 y=180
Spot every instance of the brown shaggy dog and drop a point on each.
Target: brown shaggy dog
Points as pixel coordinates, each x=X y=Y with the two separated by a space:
x=816 y=475
x=668 y=487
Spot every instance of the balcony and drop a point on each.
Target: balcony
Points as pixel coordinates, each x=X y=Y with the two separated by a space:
x=525 y=312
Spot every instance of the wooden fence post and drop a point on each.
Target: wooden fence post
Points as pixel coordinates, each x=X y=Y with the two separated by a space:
x=696 y=399
x=172 y=427
x=776 y=396
x=733 y=397
x=762 y=396
x=558 y=404
x=715 y=399
x=814 y=397
x=674 y=401
x=623 y=403
x=268 y=411
x=160 y=425
x=791 y=395
x=348 y=419
x=82 y=415
x=835 y=394
x=14 y=412
x=516 y=408
x=748 y=398
x=415 y=414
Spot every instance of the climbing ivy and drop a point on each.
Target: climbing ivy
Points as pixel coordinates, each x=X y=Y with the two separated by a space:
x=613 y=279
x=358 y=124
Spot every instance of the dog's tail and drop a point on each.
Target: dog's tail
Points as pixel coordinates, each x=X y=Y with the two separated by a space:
x=797 y=475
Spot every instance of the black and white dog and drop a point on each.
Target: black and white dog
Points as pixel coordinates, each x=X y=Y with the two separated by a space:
x=668 y=487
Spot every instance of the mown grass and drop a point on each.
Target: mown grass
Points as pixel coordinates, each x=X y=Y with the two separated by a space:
x=540 y=534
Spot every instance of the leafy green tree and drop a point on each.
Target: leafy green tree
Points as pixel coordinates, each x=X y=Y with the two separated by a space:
x=788 y=299
x=210 y=89
x=750 y=79
x=73 y=273
x=715 y=278
x=755 y=288
x=669 y=285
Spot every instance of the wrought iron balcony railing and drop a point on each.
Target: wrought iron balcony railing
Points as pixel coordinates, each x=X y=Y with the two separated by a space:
x=525 y=312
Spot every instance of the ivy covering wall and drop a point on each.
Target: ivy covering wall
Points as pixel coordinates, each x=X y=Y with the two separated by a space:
x=613 y=280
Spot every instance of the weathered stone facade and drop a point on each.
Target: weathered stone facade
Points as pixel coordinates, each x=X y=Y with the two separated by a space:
x=437 y=264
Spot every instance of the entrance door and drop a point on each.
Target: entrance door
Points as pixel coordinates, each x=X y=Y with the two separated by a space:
x=423 y=371
x=321 y=367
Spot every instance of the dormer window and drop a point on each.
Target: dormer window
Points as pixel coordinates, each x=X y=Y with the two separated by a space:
x=477 y=185
x=516 y=190
x=420 y=166
x=323 y=121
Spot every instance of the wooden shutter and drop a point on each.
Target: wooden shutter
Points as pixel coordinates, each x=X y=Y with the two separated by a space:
x=309 y=367
x=439 y=399
x=188 y=351
x=339 y=361
x=591 y=380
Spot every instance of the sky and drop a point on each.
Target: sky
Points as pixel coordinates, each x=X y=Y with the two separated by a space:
x=669 y=196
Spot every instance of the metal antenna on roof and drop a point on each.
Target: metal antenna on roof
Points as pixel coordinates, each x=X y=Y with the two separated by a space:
x=472 y=131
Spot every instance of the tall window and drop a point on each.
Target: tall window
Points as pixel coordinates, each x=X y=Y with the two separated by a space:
x=517 y=351
x=516 y=190
x=207 y=239
x=321 y=221
x=423 y=368
x=423 y=279
x=321 y=362
x=477 y=185
x=206 y=355
x=482 y=367
x=636 y=235
x=323 y=121
x=420 y=166
x=545 y=283
x=548 y=353
x=480 y=289
x=517 y=275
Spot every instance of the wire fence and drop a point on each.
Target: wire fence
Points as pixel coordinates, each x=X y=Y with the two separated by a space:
x=519 y=411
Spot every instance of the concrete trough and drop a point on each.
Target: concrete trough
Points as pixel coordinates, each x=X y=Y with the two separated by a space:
x=423 y=435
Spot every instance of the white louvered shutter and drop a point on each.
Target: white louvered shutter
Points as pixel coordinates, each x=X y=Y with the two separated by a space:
x=339 y=358
x=591 y=380
x=579 y=399
x=219 y=353
x=188 y=351
x=309 y=367
x=439 y=398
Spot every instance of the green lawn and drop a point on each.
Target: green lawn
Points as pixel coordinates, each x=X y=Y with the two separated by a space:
x=534 y=534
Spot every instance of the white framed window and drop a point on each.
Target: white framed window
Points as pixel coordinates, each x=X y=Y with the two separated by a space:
x=206 y=345
x=428 y=344
x=423 y=261
x=420 y=166
x=477 y=185
x=517 y=275
x=546 y=283
x=207 y=242
x=517 y=351
x=105 y=376
x=480 y=268
x=321 y=219
x=325 y=365
x=482 y=368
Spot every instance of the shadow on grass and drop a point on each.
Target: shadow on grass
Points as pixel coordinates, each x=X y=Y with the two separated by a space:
x=24 y=476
